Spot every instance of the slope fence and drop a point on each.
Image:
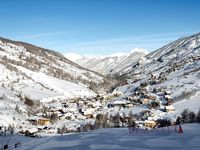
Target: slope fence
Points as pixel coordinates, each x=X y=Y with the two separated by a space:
x=164 y=131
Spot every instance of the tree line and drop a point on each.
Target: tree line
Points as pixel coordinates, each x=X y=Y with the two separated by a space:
x=188 y=116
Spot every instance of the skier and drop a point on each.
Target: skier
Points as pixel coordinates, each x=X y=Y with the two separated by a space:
x=180 y=130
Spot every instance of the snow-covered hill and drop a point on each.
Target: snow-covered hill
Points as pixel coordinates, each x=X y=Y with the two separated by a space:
x=112 y=64
x=38 y=64
x=117 y=139
x=39 y=75
x=174 y=67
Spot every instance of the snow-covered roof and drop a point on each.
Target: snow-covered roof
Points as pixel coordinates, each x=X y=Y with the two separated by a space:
x=168 y=92
x=32 y=130
x=170 y=107
x=168 y=97
x=89 y=111
x=149 y=121
x=119 y=102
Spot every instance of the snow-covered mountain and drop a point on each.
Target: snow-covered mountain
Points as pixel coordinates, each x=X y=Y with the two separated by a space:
x=178 y=52
x=31 y=76
x=28 y=60
x=174 y=67
x=111 y=64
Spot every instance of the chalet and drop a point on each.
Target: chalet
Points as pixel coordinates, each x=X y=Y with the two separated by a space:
x=154 y=104
x=89 y=112
x=119 y=103
x=31 y=132
x=150 y=124
x=154 y=76
x=169 y=108
x=167 y=97
x=33 y=121
x=55 y=111
x=117 y=94
x=40 y=115
x=139 y=124
x=61 y=117
x=129 y=105
x=43 y=121
x=167 y=92
x=145 y=101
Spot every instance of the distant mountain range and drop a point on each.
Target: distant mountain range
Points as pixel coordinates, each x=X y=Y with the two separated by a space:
x=110 y=64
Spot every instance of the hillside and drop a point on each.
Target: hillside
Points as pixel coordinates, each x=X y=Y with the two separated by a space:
x=32 y=76
x=173 y=69
x=19 y=56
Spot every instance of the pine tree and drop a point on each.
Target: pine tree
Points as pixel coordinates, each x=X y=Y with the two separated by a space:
x=63 y=130
x=178 y=121
x=123 y=120
x=185 y=116
x=106 y=121
x=117 y=120
x=99 y=121
x=191 y=117
x=54 y=117
x=131 y=120
x=198 y=116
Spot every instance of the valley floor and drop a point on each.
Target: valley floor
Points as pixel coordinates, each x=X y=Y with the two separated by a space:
x=116 y=138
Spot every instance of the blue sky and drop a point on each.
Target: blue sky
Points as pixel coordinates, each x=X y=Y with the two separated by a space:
x=98 y=26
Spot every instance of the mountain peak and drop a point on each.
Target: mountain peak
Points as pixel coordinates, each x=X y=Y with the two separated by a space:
x=141 y=50
x=75 y=56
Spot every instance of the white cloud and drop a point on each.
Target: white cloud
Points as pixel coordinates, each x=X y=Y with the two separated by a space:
x=43 y=35
x=141 y=38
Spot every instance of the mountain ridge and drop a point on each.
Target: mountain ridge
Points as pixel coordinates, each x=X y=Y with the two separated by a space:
x=110 y=64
